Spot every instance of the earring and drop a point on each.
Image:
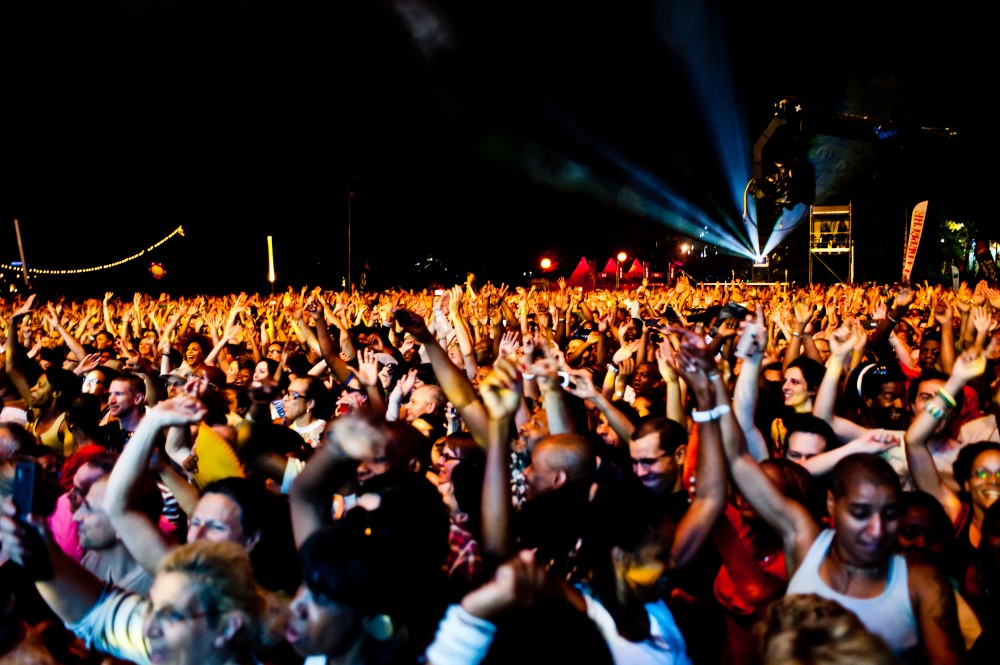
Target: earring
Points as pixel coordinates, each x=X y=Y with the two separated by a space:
x=379 y=627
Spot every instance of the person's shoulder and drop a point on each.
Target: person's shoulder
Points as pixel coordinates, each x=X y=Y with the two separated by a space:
x=926 y=580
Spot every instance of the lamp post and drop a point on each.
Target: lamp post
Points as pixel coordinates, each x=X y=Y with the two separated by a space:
x=618 y=268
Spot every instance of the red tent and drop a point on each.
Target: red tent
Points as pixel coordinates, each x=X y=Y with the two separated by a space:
x=610 y=268
x=583 y=275
x=635 y=272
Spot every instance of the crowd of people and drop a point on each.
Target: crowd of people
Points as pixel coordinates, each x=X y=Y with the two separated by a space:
x=702 y=474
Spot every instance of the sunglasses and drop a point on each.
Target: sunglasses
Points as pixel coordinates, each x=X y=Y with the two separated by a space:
x=297 y=395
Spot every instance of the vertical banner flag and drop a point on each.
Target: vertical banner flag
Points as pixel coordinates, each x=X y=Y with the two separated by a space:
x=916 y=228
x=987 y=266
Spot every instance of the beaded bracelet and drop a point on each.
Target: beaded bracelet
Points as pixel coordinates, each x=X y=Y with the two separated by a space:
x=936 y=412
x=946 y=398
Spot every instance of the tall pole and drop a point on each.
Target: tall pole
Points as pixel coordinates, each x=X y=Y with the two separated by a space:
x=20 y=246
x=270 y=263
x=350 y=195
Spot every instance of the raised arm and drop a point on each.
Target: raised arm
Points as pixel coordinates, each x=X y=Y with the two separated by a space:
x=456 y=385
x=581 y=384
x=72 y=343
x=789 y=518
x=347 y=440
x=706 y=384
x=138 y=532
x=747 y=388
x=842 y=344
x=501 y=391
x=462 y=332
x=925 y=475
x=15 y=350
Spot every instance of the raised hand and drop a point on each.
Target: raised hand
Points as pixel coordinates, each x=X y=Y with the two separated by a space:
x=581 y=384
x=969 y=365
x=25 y=308
x=665 y=360
x=509 y=345
x=368 y=367
x=182 y=409
x=501 y=389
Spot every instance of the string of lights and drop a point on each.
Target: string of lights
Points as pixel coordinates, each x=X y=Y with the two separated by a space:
x=75 y=271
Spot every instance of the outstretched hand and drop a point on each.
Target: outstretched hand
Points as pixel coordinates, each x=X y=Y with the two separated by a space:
x=501 y=389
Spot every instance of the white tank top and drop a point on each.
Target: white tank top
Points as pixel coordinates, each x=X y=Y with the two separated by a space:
x=889 y=615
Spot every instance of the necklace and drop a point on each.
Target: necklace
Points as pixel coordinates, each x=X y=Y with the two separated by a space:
x=850 y=569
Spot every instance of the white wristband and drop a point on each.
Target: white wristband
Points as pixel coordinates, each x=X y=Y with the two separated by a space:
x=710 y=415
x=702 y=416
x=461 y=639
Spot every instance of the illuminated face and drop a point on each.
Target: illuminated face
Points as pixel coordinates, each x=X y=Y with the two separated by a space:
x=216 y=518
x=930 y=354
x=177 y=628
x=984 y=481
x=244 y=376
x=122 y=402
x=103 y=340
x=888 y=408
x=297 y=400
x=606 y=432
x=82 y=480
x=657 y=470
x=925 y=393
x=823 y=347
x=795 y=390
x=93 y=525
x=318 y=625
x=352 y=398
x=534 y=429
x=865 y=519
x=481 y=373
x=645 y=378
x=194 y=354
x=804 y=445
x=446 y=460
x=147 y=347
x=95 y=383
x=421 y=402
x=541 y=475
x=42 y=393
x=261 y=372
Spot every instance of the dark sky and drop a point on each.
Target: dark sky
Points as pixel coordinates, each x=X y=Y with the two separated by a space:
x=475 y=136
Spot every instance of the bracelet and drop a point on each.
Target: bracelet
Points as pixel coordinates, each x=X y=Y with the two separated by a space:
x=936 y=412
x=710 y=415
x=702 y=416
x=612 y=368
x=946 y=398
x=889 y=316
x=795 y=334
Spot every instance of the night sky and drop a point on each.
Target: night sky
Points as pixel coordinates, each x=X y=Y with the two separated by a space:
x=474 y=136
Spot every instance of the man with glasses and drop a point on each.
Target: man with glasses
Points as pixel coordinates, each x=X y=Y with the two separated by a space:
x=97 y=382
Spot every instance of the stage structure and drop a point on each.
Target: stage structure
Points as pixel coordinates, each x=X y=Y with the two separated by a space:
x=831 y=241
